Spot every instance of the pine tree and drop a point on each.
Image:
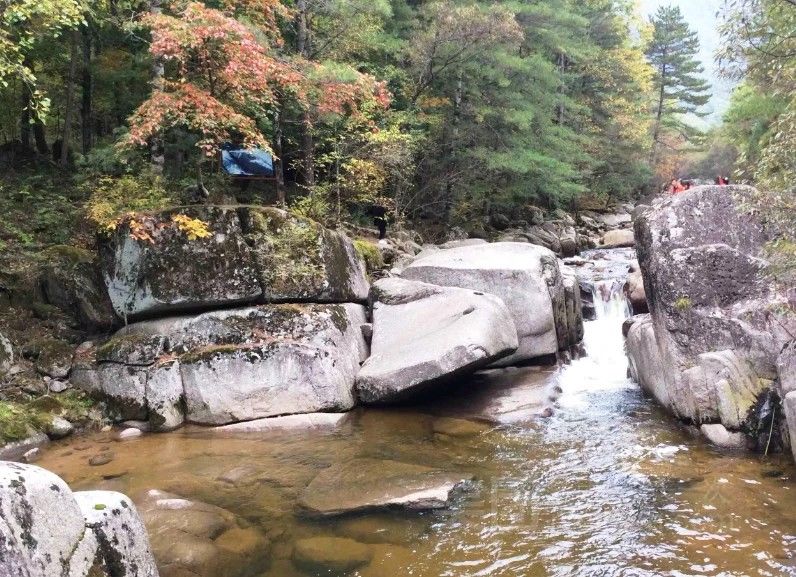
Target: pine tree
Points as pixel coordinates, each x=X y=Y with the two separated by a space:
x=680 y=88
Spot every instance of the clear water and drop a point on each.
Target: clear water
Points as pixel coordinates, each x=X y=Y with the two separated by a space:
x=608 y=486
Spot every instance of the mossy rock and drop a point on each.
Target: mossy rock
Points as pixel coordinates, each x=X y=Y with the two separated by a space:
x=52 y=357
x=70 y=281
x=370 y=254
x=300 y=260
x=132 y=349
x=18 y=421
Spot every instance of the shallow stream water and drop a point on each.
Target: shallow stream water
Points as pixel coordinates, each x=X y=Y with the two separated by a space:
x=607 y=486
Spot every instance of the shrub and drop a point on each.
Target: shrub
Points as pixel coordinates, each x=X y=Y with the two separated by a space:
x=369 y=253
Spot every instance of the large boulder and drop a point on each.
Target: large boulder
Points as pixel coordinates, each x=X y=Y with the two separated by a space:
x=526 y=277
x=211 y=257
x=227 y=366
x=47 y=530
x=425 y=335
x=716 y=328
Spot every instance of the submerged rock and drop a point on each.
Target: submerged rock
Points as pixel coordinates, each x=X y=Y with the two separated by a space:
x=194 y=538
x=711 y=343
x=526 y=277
x=371 y=484
x=425 y=335
x=287 y=423
x=335 y=554
x=250 y=255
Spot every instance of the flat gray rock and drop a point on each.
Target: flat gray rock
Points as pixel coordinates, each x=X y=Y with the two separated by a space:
x=371 y=484
x=424 y=335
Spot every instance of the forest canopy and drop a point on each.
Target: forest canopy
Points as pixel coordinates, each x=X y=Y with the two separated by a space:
x=444 y=110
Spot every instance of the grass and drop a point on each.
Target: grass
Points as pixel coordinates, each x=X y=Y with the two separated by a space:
x=18 y=421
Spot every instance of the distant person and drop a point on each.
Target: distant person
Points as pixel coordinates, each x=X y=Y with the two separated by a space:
x=676 y=187
x=380 y=220
x=725 y=181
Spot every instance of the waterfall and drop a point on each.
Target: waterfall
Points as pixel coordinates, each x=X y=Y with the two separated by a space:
x=605 y=365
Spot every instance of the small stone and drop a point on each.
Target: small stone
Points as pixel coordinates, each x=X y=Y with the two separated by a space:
x=57 y=386
x=129 y=433
x=31 y=455
x=101 y=459
x=334 y=554
x=60 y=428
x=106 y=429
x=547 y=413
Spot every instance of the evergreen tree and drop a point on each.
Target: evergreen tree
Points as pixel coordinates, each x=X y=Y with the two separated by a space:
x=680 y=88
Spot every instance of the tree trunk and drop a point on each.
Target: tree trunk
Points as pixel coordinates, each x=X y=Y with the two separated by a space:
x=279 y=171
x=303 y=47
x=70 y=97
x=24 y=119
x=156 y=149
x=86 y=120
x=658 y=117
x=452 y=146
x=562 y=66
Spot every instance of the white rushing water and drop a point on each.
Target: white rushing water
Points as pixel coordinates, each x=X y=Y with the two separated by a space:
x=605 y=364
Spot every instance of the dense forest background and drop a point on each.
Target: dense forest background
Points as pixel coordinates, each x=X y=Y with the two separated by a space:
x=446 y=112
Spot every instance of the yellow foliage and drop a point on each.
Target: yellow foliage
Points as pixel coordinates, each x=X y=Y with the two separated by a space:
x=193 y=228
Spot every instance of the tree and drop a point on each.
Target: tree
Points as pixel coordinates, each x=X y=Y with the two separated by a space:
x=220 y=84
x=679 y=86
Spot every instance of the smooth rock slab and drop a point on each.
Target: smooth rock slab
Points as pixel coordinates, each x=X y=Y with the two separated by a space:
x=372 y=484
x=330 y=554
x=306 y=421
x=425 y=335
x=790 y=417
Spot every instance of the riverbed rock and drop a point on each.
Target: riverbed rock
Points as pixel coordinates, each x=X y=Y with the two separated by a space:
x=370 y=484
x=526 y=277
x=425 y=335
x=198 y=539
x=618 y=238
x=121 y=536
x=248 y=255
x=47 y=530
x=234 y=365
x=330 y=554
x=716 y=328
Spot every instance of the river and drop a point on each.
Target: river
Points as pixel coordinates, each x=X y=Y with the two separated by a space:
x=609 y=485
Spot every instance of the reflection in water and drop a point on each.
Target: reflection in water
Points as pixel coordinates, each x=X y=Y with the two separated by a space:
x=608 y=486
